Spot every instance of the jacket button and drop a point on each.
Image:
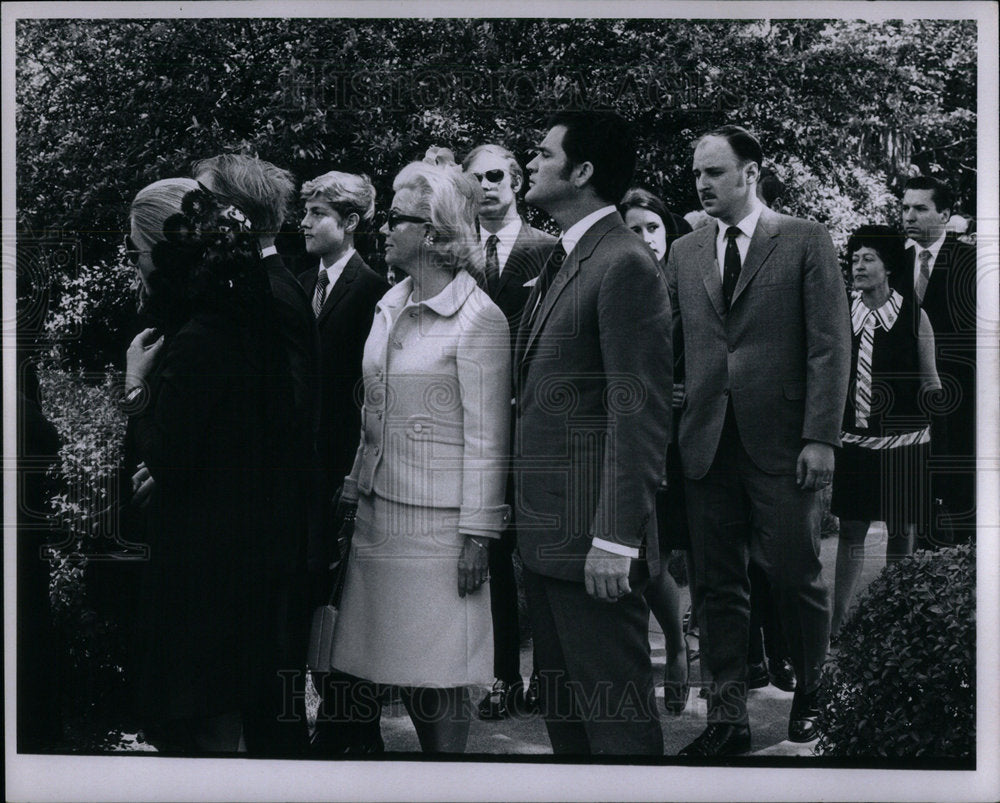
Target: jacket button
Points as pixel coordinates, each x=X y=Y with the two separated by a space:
x=732 y=348
x=725 y=392
x=418 y=427
x=378 y=450
x=379 y=415
x=397 y=344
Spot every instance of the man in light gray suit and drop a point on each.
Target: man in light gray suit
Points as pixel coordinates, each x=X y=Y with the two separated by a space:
x=763 y=311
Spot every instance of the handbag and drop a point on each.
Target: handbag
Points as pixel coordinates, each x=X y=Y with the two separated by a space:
x=319 y=656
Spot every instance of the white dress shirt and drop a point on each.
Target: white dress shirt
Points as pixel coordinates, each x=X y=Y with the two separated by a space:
x=747 y=227
x=506 y=238
x=337 y=268
x=934 y=248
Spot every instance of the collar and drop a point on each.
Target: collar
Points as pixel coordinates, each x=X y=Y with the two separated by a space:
x=884 y=316
x=446 y=303
x=270 y=251
x=575 y=233
x=507 y=235
x=934 y=247
x=747 y=226
x=338 y=266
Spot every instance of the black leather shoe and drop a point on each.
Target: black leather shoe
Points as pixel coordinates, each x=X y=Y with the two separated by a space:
x=803 y=723
x=757 y=677
x=720 y=739
x=502 y=700
x=782 y=674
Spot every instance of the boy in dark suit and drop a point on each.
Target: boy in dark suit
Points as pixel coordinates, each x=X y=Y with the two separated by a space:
x=343 y=292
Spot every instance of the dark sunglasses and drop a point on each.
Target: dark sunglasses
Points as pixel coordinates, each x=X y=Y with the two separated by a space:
x=492 y=176
x=131 y=252
x=395 y=218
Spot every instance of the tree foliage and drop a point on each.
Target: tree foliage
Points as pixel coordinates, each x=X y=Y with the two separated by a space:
x=845 y=109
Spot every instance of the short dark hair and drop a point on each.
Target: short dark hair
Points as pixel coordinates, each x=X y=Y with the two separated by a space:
x=605 y=139
x=770 y=187
x=940 y=191
x=744 y=144
x=886 y=241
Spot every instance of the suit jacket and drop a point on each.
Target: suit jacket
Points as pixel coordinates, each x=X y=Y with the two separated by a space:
x=950 y=298
x=781 y=355
x=343 y=323
x=437 y=407
x=298 y=494
x=523 y=264
x=593 y=404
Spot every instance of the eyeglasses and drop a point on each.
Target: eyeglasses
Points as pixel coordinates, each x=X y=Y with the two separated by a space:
x=395 y=218
x=131 y=252
x=492 y=176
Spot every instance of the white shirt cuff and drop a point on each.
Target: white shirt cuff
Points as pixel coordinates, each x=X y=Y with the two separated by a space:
x=617 y=549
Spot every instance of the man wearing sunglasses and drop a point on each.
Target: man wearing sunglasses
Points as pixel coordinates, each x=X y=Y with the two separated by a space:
x=515 y=253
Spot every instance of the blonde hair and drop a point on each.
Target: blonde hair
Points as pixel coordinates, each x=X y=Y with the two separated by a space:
x=153 y=205
x=346 y=192
x=450 y=199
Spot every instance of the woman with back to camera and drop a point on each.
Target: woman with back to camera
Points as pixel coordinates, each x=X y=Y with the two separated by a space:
x=880 y=468
x=428 y=480
x=645 y=214
x=208 y=394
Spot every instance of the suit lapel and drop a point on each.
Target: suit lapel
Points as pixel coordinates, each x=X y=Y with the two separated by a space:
x=762 y=244
x=339 y=290
x=708 y=263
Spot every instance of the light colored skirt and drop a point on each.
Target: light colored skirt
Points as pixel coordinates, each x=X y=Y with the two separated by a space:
x=401 y=621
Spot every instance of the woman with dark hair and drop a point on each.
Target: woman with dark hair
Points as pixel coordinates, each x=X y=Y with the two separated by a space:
x=646 y=215
x=427 y=486
x=886 y=437
x=209 y=396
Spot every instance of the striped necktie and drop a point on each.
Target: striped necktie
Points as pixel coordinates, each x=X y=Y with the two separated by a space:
x=924 y=277
x=322 y=280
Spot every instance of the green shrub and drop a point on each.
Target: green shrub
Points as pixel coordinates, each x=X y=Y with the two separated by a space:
x=903 y=681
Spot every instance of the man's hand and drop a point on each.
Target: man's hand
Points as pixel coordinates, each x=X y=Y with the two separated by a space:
x=473 y=564
x=606 y=574
x=814 y=468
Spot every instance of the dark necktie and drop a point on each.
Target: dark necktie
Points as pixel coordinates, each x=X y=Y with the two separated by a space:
x=492 y=265
x=322 y=280
x=548 y=272
x=924 y=277
x=731 y=269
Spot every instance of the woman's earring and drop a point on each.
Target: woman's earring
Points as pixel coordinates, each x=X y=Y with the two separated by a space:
x=428 y=240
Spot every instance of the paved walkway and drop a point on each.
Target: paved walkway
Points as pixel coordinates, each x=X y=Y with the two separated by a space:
x=768 y=707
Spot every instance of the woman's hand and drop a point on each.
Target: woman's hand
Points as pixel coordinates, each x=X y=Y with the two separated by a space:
x=141 y=357
x=473 y=564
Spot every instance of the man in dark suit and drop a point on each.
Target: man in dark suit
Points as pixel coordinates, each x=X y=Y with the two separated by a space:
x=593 y=378
x=264 y=192
x=343 y=292
x=944 y=285
x=514 y=253
x=762 y=308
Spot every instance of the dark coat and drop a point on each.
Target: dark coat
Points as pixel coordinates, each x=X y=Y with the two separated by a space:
x=343 y=323
x=593 y=404
x=524 y=263
x=212 y=434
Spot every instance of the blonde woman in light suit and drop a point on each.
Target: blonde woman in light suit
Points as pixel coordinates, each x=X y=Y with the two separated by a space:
x=428 y=479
